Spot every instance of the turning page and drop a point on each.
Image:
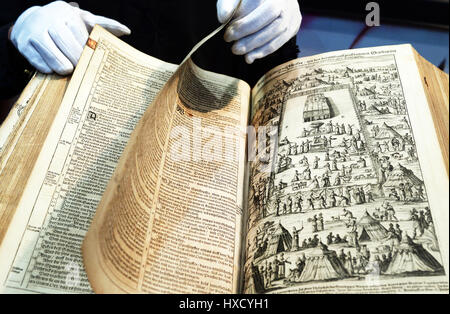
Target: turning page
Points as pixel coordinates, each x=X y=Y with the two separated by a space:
x=170 y=220
x=348 y=191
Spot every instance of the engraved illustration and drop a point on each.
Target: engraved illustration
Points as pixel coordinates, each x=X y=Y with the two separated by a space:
x=344 y=198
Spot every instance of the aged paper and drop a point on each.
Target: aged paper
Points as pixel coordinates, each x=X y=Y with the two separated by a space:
x=110 y=90
x=19 y=115
x=354 y=196
x=170 y=219
x=436 y=86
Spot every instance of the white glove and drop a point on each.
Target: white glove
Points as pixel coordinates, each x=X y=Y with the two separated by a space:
x=52 y=37
x=260 y=27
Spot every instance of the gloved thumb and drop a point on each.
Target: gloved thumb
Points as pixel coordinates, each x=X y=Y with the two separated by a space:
x=110 y=25
x=225 y=8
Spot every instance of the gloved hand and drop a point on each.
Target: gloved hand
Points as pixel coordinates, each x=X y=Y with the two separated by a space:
x=260 y=27
x=52 y=37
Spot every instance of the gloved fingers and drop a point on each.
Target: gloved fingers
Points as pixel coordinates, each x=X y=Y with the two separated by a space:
x=66 y=42
x=295 y=22
x=225 y=8
x=252 y=42
x=267 y=49
x=20 y=21
x=262 y=16
x=246 y=7
x=78 y=29
x=35 y=59
x=26 y=14
x=54 y=58
x=110 y=25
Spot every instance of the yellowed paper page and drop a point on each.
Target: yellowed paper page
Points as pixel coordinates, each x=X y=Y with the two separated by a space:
x=19 y=115
x=170 y=219
x=436 y=86
x=111 y=88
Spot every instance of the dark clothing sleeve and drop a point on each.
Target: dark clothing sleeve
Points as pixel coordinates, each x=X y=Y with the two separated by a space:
x=14 y=69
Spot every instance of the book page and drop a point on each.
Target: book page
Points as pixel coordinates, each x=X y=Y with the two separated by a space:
x=170 y=220
x=35 y=110
x=110 y=90
x=349 y=191
x=11 y=128
x=436 y=85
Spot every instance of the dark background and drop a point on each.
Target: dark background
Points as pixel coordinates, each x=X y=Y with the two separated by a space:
x=429 y=13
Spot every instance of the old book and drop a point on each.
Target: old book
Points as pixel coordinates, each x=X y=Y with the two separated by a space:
x=139 y=176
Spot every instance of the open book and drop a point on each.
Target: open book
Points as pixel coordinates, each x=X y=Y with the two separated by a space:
x=140 y=176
